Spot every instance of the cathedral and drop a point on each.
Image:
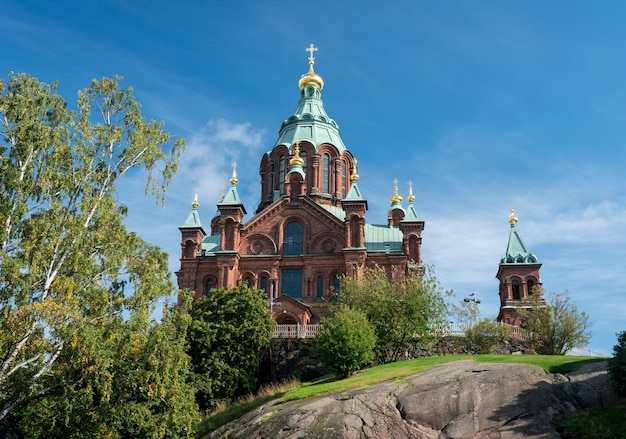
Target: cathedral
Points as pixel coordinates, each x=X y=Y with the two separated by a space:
x=309 y=228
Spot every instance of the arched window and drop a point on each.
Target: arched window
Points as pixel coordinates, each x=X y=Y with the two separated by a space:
x=293 y=237
x=530 y=285
x=320 y=286
x=210 y=284
x=281 y=174
x=263 y=285
x=326 y=174
x=336 y=283
x=303 y=157
x=515 y=289
x=344 y=182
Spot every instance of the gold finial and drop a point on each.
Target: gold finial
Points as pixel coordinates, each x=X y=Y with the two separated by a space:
x=296 y=159
x=512 y=218
x=223 y=192
x=355 y=175
x=395 y=198
x=411 y=197
x=195 y=203
x=233 y=179
x=311 y=77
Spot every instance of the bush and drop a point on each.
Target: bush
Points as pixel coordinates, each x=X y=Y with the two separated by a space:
x=617 y=364
x=347 y=341
x=483 y=337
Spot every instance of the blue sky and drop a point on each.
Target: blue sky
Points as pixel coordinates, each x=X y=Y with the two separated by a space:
x=478 y=103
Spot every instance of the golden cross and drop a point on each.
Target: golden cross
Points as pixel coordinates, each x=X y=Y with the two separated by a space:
x=395 y=183
x=311 y=49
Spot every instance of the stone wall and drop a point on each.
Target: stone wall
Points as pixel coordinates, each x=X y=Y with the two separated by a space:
x=288 y=358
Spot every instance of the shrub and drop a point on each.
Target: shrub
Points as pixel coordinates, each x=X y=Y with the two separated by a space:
x=482 y=337
x=347 y=341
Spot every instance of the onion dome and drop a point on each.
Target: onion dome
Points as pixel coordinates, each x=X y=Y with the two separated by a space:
x=311 y=77
x=512 y=218
x=395 y=198
x=296 y=159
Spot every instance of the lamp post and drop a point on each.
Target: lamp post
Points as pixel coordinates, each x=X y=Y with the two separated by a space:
x=473 y=303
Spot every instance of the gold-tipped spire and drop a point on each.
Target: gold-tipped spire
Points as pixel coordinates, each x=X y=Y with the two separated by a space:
x=311 y=77
x=355 y=175
x=223 y=193
x=512 y=218
x=411 y=197
x=296 y=159
x=395 y=198
x=233 y=179
x=195 y=203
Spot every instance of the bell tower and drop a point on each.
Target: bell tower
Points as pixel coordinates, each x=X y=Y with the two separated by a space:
x=519 y=277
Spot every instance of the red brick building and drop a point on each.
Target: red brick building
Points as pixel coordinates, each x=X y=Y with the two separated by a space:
x=519 y=277
x=309 y=228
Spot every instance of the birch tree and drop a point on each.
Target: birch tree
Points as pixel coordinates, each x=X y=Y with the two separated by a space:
x=67 y=261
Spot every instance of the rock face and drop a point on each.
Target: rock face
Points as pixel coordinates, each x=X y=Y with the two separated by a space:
x=457 y=400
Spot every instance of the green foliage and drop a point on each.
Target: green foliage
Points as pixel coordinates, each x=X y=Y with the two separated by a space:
x=128 y=379
x=229 y=329
x=617 y=364
x=401 y=308
x=482 y=337
x=597 y=423
x=68 y=266
x=347 y=341
x=556 y=327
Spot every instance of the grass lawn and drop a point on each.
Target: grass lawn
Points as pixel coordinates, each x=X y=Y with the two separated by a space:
x=387 y=372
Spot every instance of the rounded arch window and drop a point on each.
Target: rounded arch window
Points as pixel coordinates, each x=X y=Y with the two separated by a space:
x=293 y=239
x=515 y=289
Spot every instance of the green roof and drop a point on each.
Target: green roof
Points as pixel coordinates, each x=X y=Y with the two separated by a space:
x=337 y=211
x=411 y=213
x=310 y=122
x=516 y=251
x=193 y=219
x=211 y=243
x=383 y=238
x=231 y=197
x=354 y=194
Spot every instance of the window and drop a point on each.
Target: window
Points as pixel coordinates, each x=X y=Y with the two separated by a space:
x=344 y=182
x=320 y=286
x=210 y=284
x=291 y=284
x=264 y=285
x=336 y=283
x=281 y=174
x=248 y=282
x=326 y=174
x=515 y=289
x=292 y=239
x=530 y=285
x=303 y=157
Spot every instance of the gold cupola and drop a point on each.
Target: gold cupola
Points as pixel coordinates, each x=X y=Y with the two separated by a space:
x=395 y=198
x=296 y=159
x=512 y=218
x=311 y=77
